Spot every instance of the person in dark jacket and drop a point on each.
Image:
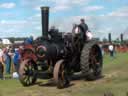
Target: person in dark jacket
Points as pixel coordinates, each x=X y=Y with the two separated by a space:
x=84 y=28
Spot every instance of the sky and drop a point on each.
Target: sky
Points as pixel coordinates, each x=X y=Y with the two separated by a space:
x=22 y=18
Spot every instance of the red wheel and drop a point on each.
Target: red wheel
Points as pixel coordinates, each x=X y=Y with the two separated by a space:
x=26 y=72
x=60 y=74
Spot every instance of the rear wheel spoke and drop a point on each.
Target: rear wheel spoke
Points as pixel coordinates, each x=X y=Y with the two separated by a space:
x=94 y=60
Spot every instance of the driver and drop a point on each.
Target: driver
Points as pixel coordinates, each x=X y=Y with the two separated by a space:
x=84 y=28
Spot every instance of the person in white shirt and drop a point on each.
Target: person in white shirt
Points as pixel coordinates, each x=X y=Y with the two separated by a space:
x=111 y=50
x=1 y=64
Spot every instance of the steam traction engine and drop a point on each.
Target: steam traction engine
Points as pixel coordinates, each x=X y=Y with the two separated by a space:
x=58 y=56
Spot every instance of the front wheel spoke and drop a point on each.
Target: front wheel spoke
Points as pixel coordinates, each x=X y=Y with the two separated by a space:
x=28 y=80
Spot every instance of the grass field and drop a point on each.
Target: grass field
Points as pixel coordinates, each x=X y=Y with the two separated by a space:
x=115 y=80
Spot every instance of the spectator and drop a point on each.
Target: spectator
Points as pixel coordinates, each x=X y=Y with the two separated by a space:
x=111 y=50
x=1 y=64
x=7 y=60
x=16 y=59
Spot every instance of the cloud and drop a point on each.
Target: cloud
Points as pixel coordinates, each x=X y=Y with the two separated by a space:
x=7 y=5
x=80 y=2
x=100 y=26
x=30 y=3
x=112 y=24
x=72 y=2
x=37 y=8
x=120 y=12
x=56 y=6
x=115 y=22
x=64 y=5
x=13 y=22
x=93 y=8
x=60 y=8
x=18 y=28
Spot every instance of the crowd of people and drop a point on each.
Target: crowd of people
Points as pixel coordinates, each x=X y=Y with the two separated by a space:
x=7 y=58
x=10 y=58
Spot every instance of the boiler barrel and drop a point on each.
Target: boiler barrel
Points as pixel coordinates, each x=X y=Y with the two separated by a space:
x=50 y=51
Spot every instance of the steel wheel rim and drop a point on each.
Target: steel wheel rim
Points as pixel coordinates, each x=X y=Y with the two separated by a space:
x=95 y=60
x=60 y=75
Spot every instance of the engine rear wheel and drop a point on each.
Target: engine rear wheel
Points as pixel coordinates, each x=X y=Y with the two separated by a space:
x=60 y=74
x=91 y=61
x=26 y=72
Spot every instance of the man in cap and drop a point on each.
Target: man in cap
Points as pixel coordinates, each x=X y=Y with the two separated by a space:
x=84 y=28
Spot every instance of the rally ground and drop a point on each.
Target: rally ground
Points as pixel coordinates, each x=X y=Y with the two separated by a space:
x=115 y=80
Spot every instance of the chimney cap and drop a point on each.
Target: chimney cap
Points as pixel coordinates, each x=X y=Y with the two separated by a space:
x=44 y=8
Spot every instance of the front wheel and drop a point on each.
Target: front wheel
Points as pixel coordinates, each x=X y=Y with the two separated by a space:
x=60 y=74
x=26 y=72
